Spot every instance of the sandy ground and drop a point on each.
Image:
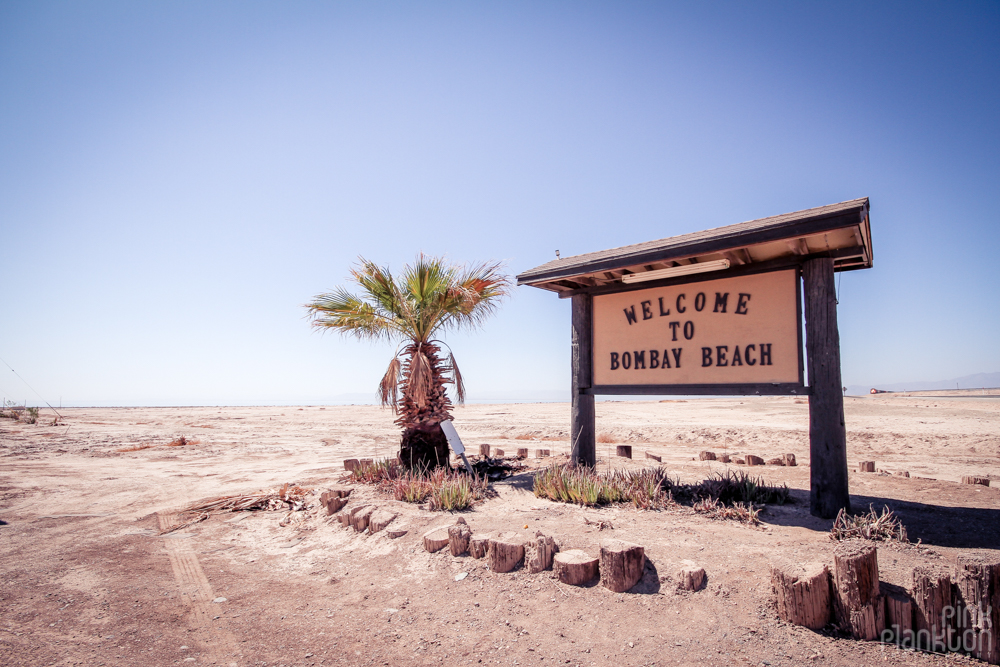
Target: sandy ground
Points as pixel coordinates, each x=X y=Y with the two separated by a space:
x=87 y=580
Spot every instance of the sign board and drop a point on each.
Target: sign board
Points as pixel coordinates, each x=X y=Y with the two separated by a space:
x=744 y=330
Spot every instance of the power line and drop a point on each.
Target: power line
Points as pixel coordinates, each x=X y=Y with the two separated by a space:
x=30 y=387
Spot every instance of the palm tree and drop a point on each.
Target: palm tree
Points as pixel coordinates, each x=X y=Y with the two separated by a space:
x=429 y=297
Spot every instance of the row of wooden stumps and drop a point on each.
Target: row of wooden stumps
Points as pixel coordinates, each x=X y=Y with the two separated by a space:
x=625 y=451
x=620 y=565
x=869 y=466
x=944 y=611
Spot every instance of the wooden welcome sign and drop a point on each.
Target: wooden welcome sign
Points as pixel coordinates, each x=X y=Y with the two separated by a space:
x=718 y=312
x=741 y=332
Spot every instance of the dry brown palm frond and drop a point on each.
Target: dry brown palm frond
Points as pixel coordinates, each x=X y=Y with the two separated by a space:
x=421 y=376
x=388 y=388
x=457 y=379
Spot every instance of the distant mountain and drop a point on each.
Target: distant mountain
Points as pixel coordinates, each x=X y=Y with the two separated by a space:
x=977 y=381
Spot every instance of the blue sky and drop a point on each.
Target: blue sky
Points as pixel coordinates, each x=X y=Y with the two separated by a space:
x=177 y=179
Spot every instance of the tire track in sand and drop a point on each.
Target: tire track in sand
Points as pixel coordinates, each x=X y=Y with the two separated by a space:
x=220 y=646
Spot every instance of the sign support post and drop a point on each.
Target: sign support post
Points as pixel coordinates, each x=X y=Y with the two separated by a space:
x=828 y=492
x=583 y=441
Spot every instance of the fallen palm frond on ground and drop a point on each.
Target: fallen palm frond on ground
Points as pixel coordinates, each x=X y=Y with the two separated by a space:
x=133 y=448
x=292 y=498
x=870 y=526
x=728 y=496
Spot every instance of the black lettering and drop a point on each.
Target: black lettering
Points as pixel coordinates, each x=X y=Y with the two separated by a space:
x=741 y=305
x=737 y=360
x=699 y=302
x=677 y=356
x=663 y=313
x=647 y=314
x=680 y=308
x=746 y=355
x=721 y=300
x=630 y=315
x=720 y=355
x=654 y=358
x=765 y=354
x=706 y=356
x=614 y=361
x=688 y=330
x=666 y=359
x=673 y=328
x=640 y=359
x=626 y=360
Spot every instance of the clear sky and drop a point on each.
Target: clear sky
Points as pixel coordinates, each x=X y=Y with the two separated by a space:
x=178 y=178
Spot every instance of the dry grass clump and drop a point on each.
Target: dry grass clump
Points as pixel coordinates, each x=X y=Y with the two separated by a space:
x=182 y=442
x=742 y=512
x=733 y=495
x=870 y=526
x=606 y=438
x=524 y=436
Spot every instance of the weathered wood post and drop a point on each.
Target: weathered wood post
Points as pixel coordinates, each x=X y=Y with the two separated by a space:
x=828 y=491
x=583 y=442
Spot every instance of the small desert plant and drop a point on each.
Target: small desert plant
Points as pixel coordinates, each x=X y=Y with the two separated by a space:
x=383 y=470
x=740 y=487
x=447 y=490
x=605 y=438
x=870 y=526
x=30 y=415
x=524 y=436
x=182 y=442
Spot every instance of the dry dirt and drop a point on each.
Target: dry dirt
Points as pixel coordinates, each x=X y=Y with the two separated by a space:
x=87 y=580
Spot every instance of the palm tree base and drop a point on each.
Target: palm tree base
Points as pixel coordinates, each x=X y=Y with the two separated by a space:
x=424 y=447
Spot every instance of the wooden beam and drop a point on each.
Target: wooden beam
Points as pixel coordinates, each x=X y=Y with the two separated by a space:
x=583 y=440
x=828 y=492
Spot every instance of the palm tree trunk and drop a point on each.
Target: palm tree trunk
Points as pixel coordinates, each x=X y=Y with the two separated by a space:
x=424 y=444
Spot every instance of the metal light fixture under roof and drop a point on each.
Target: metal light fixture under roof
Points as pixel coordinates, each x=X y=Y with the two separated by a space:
x=674 y=271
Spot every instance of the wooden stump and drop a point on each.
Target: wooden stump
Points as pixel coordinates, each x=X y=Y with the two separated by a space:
x=351 y=464
x=396 y=532
x=345 y=517
x=706 y=456
x=739 y=461
x=522 y=452
x=970 y=479
x=539 y=453
x=504 y=553
x=789 y=460
x=931 y=595
x=624 y=451
x=359 y=519
x=379 y=520
x=498 y=453
x=458 y=539
x=866 y=466
x=621 y=565
x=778 y=461
x=658 y=459
x=574 y=567
x=754 y=460
x=691 y=579
x=484 y=451
x=366 y=463
x=898 y=614
x=724 y=458
x=332 y=503
x=436 y=539
x=478 y=544
x=539 y=552
x=902 y=473
x=340 y=491
x=858 y=600
x=977 y=587
x=803 y=593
